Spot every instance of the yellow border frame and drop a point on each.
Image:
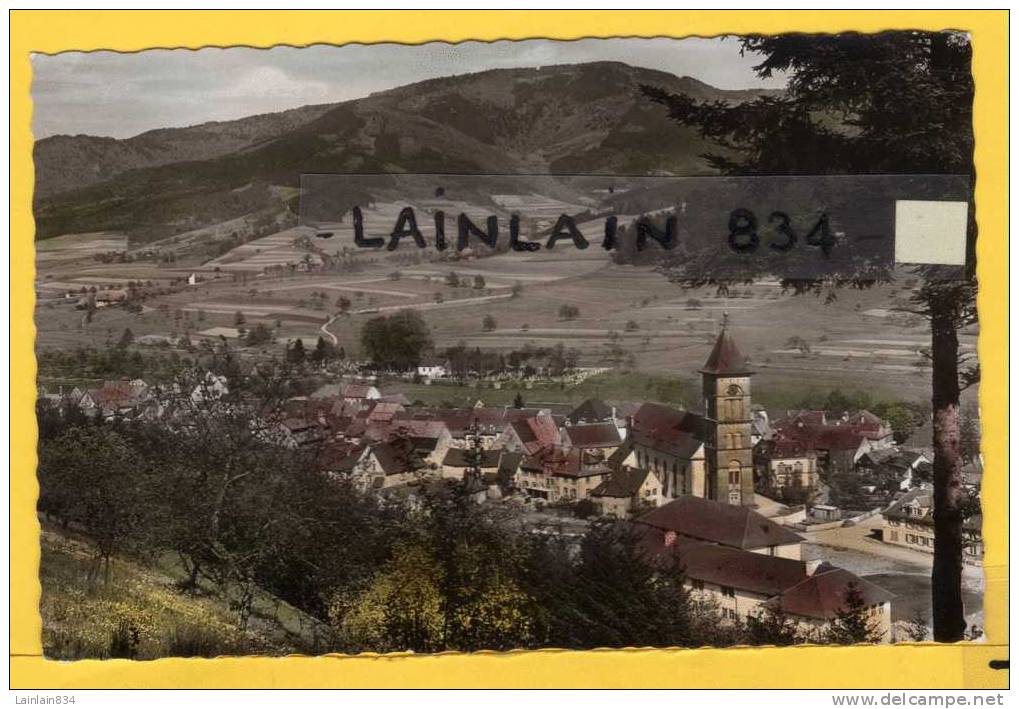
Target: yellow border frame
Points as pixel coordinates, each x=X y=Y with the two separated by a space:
x=925 y=666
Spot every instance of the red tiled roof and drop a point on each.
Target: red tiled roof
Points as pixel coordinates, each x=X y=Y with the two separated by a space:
x=463 y=458
x=572 y=463
x=785 y=581
x=397 y=456
x=712 y=521
x=383 y=411
x=594 y=435
x=623 y=483
x=117 y=394
x=356 y=391
x=590 y=410
x=669 y=430
x=537 y=433
x=812 y=429
x=748 y=571
x=489 y=419
x=787 y=448
x=339 y=457
x=824 y=593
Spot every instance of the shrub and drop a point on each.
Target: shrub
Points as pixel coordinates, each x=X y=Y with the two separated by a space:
x=124 y=641
x=194 y=641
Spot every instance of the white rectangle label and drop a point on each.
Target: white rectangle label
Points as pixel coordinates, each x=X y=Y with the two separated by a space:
x=930 y=232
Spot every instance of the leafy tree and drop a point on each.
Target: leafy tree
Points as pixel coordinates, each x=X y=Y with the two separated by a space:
x=126 y=338
x=798 y=343
x=91 y=477
x=516 y=289
x=239 y=318
x=902 y=416
x=259 y=335
x=518 y=401
x=771 y=627
x=325 y=351
x=602 y=600
x=838 y=402
x=401 y=608
x=890 y=103
x=295 y=351
x=917 y=628
x=343 y=304
x=568 y=312
x=479 y=282
x=488 y=323
x=396 y=342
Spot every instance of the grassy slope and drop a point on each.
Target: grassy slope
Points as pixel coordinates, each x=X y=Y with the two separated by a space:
x=80 y=619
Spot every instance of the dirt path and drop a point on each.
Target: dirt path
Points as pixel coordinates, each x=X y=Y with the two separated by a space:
x=325 y=329
x=434 y=306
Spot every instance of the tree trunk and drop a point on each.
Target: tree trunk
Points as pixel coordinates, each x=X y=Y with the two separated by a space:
x=946 y=579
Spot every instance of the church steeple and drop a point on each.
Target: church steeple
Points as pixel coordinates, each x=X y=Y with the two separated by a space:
x=728 y=452
x=726 y=357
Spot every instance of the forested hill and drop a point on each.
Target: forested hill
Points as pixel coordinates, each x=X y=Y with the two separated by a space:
x=560 y=119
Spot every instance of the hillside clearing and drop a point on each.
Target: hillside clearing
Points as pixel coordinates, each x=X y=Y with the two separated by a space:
x=142 y=604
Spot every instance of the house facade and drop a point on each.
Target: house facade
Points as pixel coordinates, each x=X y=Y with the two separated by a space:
x=742 y=584
x=627 y=492
x=559 y=475
x=909 y=522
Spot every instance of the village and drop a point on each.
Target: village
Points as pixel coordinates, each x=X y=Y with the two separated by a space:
x=744 y=498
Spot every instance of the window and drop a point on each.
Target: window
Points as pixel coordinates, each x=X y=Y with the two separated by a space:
x=729 y=614
x=734 y=473
x=697 y=585
x=728 y=591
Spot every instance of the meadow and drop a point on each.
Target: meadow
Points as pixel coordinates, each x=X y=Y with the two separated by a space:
x=619 y=316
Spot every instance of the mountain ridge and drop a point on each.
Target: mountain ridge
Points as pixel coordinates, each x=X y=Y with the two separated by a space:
x=564 y=118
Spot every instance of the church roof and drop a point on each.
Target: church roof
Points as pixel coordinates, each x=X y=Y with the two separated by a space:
x=725 y=357
x=708 y=520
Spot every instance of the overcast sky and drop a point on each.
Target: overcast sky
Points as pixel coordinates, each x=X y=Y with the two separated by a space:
x=121 y=95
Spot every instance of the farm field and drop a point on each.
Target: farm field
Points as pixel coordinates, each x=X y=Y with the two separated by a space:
x=622 y=315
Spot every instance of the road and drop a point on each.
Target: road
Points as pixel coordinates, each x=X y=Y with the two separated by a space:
x=904 y=572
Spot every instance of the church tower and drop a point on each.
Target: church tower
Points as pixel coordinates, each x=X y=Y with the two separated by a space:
x=728 y=450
